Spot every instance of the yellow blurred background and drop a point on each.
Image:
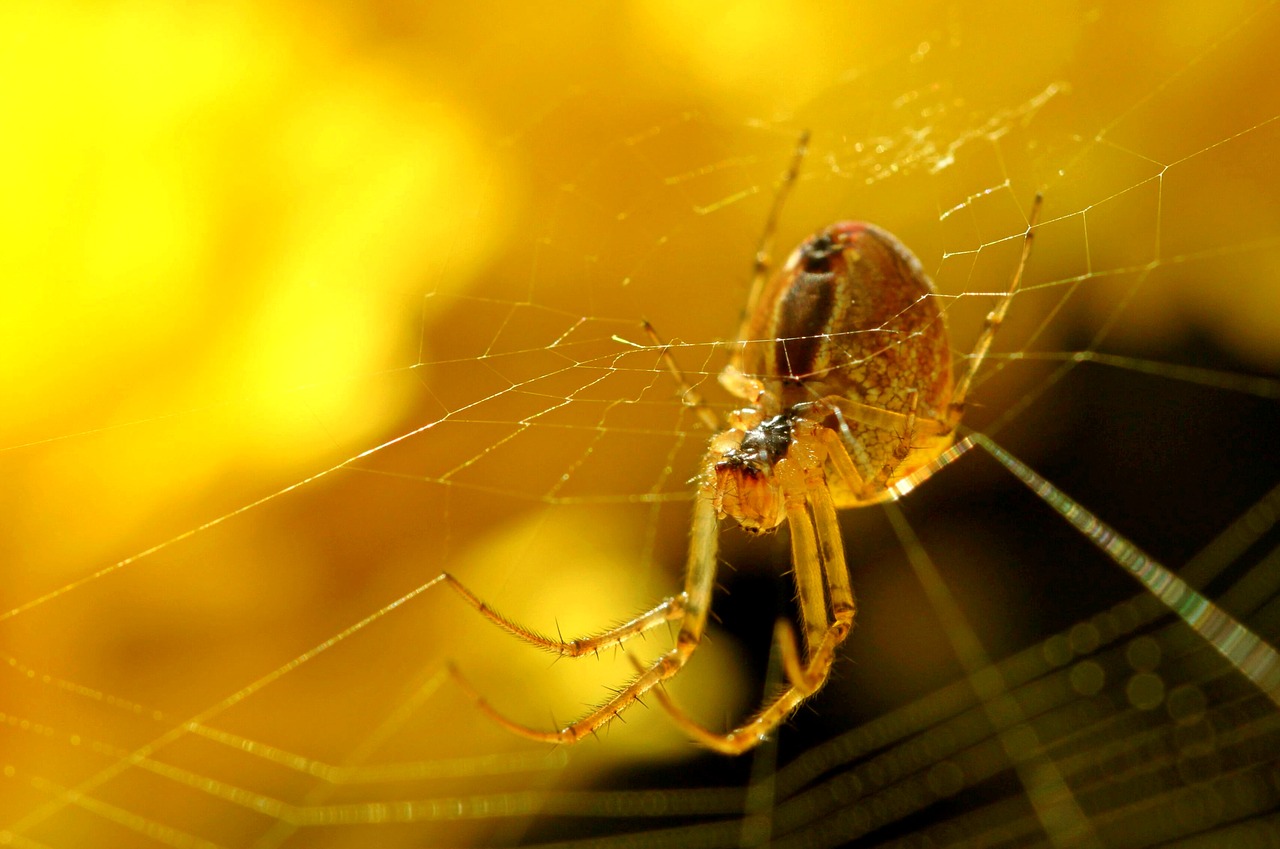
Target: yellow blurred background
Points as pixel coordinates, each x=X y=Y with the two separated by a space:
x=305 y=303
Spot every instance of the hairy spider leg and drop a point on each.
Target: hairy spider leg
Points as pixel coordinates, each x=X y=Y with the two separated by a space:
x=823 y=637
x=670 y=609
x=817 y=554
x=908 y=425
x=689 y=395
x=994 y=319
x=700 y=570
x=763 y=262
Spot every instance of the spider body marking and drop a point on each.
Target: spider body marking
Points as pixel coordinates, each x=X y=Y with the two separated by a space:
x=844 y=362
x=850 y=315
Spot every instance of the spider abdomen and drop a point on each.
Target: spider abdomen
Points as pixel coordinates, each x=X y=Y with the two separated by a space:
x=852 y=314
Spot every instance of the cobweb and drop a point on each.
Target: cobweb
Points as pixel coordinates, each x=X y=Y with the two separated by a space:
x=301 y=315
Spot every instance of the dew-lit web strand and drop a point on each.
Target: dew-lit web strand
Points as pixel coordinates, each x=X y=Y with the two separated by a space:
x=1245 y=650
x=1185 y=68
x=1249 y=526
x=279 y=831
x=1058 y=811
x=1144 y=268
x=886 y=803
x=141 y=756
x=150 y=828
x=307 y=387
x=634 y=803
x=143 y=753
x=1261 y=387
x=917 y=149
x=146 y=750
x=974 y=197
x=1226 y=548
x=121 y=564
x=251 y=800
x=893 y=802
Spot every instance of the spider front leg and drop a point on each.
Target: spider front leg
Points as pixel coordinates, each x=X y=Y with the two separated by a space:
x=670 y=609
x=695 y=602
x=764 y=249
x=817 y=553
x=960 y=395
x=903 y=449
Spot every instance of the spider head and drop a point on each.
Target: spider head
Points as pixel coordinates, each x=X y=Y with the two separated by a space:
x=745 y=485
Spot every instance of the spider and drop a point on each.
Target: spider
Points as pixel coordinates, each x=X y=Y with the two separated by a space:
x=844 y=362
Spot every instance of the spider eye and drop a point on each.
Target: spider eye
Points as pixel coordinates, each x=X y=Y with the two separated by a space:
x=816 y=256
x=739 y=465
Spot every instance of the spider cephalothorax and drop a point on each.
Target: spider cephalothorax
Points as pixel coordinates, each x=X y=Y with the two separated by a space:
x=746 y=487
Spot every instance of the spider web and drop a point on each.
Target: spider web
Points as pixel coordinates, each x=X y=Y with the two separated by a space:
x=321 y=312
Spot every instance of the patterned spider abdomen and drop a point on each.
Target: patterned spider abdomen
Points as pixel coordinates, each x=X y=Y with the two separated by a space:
x=851 y=314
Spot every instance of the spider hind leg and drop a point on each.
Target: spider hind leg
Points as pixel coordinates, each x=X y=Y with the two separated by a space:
x=818 y=560
x=695 y=602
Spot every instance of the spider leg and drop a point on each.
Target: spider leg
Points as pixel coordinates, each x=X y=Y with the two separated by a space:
x=807 y=677
x=805 y=555
x=670 y=608
x=903 y=449
x=826 y=625
x=688 y=394
x=733 y=378
x=773 y=713
x=908 y=426
x=994 y=319
x=696 y=600
x=877 y=417
x=764 y=250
